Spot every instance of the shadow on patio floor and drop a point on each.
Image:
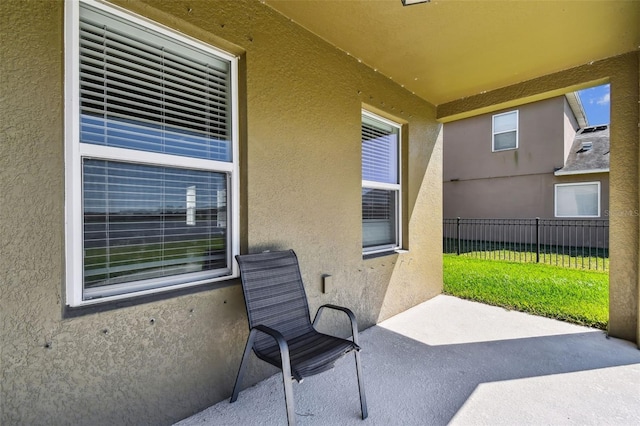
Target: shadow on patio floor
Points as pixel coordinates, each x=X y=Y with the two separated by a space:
x=451 y=361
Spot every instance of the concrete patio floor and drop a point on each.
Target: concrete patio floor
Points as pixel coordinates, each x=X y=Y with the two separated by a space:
x=451 y=361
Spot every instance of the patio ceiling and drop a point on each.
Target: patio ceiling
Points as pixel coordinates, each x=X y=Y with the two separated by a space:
x=447 y=49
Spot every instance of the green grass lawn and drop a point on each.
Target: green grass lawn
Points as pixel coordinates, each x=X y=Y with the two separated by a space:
x=572 y=295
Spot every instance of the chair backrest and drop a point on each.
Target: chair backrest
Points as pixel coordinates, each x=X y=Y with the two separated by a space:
x=274 y=294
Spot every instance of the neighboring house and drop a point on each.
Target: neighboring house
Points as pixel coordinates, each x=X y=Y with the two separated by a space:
x=535 y=160
x=581 y=189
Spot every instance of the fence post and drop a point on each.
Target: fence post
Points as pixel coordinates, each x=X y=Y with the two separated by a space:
x=537 y=240
x=458 y=235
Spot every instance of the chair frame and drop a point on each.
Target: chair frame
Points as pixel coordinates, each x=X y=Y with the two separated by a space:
x=286 y=363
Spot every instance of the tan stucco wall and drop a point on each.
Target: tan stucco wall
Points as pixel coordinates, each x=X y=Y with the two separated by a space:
x=302 y=189
x=623 y=74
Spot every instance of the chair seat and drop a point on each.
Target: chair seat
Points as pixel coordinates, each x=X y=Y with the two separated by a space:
x=310 y=353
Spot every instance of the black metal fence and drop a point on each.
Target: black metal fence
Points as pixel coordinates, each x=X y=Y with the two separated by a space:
x=575 y=243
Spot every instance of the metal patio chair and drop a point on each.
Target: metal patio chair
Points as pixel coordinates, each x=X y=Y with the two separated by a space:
x=281 y=332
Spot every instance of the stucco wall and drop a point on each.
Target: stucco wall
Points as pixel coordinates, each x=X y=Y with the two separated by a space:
x=479 y=183
x=468 y=142
x=638 y=205
x=526 y=196
x=301 y=190
x=622 y=72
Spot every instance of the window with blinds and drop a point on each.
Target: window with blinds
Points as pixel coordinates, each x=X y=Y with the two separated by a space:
x=381 y=185
x=154 y=151
x=143 y=91
x=505 y=131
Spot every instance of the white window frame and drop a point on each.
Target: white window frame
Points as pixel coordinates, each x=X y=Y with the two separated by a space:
x=494 y=133
x=555 y=198
x=75 y=151
x=388 y=187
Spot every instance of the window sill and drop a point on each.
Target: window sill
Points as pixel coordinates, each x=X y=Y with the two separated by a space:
x=78 y=311
x=366 y=256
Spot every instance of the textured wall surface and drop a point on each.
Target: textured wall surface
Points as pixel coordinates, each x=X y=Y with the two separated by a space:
x=158 y=362
x=479 y=183
x=526 y=196
x=468 y=144
x=622 y=73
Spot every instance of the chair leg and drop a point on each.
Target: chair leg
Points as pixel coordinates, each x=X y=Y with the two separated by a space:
x=363 y=398
x=243 y=366
x=288 y=387
x=288 y=398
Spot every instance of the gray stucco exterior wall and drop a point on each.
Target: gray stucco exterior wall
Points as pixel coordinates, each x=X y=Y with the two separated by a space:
x=527 y=196
x=540 y=144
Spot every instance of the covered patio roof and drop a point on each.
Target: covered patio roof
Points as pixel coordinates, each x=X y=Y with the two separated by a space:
x=451 y=361
x=451 y=49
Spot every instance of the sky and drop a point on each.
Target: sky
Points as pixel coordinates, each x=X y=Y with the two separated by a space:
x=595 y=102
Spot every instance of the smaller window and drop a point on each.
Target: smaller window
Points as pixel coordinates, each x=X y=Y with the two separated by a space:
x=381 y=184
x=577 y=199
x=505 y=131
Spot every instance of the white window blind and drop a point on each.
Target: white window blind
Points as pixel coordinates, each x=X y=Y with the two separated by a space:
x=380 y=184
x=379 y=151
x=379 y=218
x=141 y=90
x=137 y=223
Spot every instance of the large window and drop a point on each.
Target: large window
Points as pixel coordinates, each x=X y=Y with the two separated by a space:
x=151 y=157
x=505 y=131
x=381 y=187
x=577 y=199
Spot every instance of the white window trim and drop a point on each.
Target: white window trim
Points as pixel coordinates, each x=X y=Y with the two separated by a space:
x=388 y=186
x=555 y=199
x=75 y=151
x=580 y=172
x=494 y=133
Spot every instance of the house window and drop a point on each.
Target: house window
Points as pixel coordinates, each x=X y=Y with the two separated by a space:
x=381 y=186
x=577 y=199
x=151 y=158
x=505 y=131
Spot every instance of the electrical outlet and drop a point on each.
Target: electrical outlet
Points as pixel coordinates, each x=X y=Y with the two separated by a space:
x=327 y=283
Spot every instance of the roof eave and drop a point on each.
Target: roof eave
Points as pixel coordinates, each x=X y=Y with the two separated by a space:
x=576 y=107
x=579 y=172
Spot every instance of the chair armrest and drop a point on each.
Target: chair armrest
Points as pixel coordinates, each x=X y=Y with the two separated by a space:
x=282 y=344
x=352 y=318
x=278 y=337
